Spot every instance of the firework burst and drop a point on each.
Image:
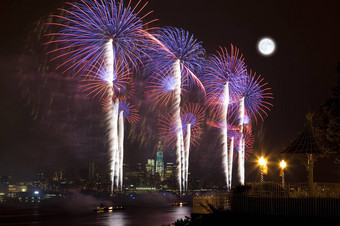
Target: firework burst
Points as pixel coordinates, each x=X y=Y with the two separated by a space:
x=178 y=45
x=86 y=28
x=97 y=83
x=192 y=117
x=249 y=140
x=130 y=114
x=223 y=69
x=179 y=59
x=256 y=96
x=222 y=75
x=253 y=103
x=103 y=41
x=191 y=114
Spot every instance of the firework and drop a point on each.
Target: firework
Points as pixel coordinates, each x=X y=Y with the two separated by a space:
x=161 y=86
x=241 y=145
x=248 y=137
x=117 y=113
x=222 y=74
x=176 y=64
x=104 y=43
x=256 y=96
x=102 y=40
x=125 y=111
x=97 y=82
x=192 y=116
x=178 y=44
x=88 y=28
x=253 y=103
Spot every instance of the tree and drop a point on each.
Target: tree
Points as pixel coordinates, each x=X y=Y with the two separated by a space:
x=328 y=123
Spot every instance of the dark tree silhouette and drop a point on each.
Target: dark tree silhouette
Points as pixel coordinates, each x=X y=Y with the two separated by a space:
x=328 y=123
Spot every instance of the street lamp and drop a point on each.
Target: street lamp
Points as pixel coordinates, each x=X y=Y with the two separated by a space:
x=282 y=174
x=263 y=163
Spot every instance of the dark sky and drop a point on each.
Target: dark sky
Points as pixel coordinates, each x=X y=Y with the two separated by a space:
x=301 y=72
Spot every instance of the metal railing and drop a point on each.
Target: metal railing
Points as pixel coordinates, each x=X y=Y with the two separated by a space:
x=275 y=199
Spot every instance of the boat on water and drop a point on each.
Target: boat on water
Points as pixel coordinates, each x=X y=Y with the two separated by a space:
x=101 y=208
x=179 y=203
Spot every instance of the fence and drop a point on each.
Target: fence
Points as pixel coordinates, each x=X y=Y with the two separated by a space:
x=314 y=206
x=274 y=199
x=293 y=190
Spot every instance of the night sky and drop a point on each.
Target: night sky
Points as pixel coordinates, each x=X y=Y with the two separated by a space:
x=301 y=73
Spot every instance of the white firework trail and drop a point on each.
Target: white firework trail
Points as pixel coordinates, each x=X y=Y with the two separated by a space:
x=113 y=140
x=182 y=156
x=241 y=144
x=186 y=155
x=109 y=117
x=224 y=132
x=230 y=165
x=179 y=129
x=112 y=117
x=116 y=164
x=121 y=148
x=109 y=62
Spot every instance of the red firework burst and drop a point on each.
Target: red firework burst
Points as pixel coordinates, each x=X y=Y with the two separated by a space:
x=192 y=114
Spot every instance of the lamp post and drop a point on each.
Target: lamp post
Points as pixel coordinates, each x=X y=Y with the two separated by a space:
x=282 y=174
x=262 y=163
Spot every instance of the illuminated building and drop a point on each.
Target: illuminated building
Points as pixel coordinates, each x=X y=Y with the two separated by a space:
x=150 y=167
x=170 y=175
x=21 y=187
x=170 y=171
x=159 y=161
x=58 y=175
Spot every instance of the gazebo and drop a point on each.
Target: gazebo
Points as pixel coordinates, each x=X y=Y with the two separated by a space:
x=307 y=149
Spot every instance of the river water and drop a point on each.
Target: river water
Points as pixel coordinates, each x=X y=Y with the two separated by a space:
x=148 y=213
x=129 y=216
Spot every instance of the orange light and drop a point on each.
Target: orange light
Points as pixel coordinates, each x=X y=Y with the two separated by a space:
x=283 y=164
x=262 y=161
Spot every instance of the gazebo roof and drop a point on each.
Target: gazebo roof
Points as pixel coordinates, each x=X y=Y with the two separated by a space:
x=306 y=142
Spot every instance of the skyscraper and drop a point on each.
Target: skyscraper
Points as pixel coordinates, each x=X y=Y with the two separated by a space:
x=159 y=161
x=150 y=167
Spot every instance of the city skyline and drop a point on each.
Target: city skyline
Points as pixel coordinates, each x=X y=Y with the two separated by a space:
x=141 y=175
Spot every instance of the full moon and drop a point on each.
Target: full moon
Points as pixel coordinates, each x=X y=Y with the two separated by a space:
x=266 y=46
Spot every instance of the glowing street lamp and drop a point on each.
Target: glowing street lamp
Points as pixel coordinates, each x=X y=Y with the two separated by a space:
x=263 y=167
x=283 y=166
x=262 y=161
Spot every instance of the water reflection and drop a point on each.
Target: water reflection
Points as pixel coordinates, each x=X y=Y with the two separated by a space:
x=116 y=219
x=145 y=216
x=140 y=214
